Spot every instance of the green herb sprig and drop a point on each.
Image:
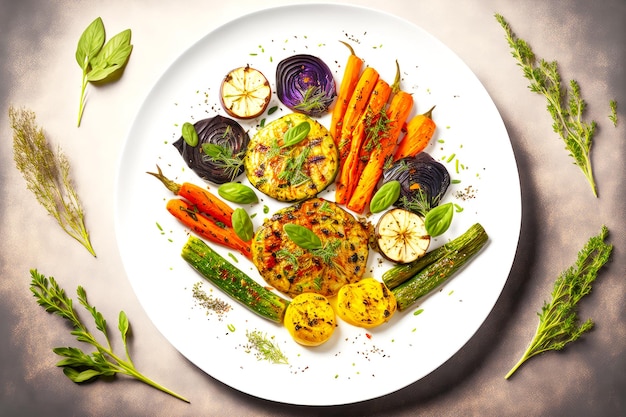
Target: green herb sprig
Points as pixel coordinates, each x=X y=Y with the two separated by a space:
x=47 y=175
x=558 y=320
x=565 y=105
x=77 y=365
x=265 y=348
x=99 y=61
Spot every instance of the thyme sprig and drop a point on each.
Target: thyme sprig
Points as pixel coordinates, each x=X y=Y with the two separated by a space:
x=558 y=320
x=78 y=365
x=565 y=105
x=47 y=175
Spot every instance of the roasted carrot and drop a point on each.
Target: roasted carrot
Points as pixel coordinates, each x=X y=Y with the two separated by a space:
x=350 y=78
x=189 y=215
x=350 y=172
x=397 y=114
x=419 y=131
x=356 y=107
x=206 y=202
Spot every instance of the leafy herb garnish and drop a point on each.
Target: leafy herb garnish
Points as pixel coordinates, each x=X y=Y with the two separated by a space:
x=47 y=175
x=293 y=172
x=99 y=61
x=265 y=348
x=558 y=319
x=77 y=365
x=566 y=106
x=223 y=158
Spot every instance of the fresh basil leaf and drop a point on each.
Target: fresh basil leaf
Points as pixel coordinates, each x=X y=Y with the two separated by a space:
x=114 y=53
x=438 y=220
x=302 y=236
x=214 y=151
x=242 y=224
x=190 y=135
x=236 y=192
x=90 y=43
x=385 y=196
x=296 y=134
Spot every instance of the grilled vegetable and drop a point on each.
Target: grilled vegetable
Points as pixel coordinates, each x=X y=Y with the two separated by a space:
x=296 y=172
x=310 y=319
x=424 y=182
x=190 y=216
x=402 y=236
x=291 y=269
x=402 y=272
x=232 y=281
x=440 y=270
x=367 y=303
x=363 y=138
x=397 y=113
x=356 y=107
x=218 y=156
x=200 y=197
x=351 y=74
x=305 y=84
x=245 y=93
x=419 y=131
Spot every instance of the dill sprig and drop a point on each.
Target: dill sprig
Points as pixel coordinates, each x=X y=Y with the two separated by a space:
x=558 y=320
x=78 y=365
x=314 y=99
x=293 y=172
x=565 y=105
x=47 y=175
x=265 y=348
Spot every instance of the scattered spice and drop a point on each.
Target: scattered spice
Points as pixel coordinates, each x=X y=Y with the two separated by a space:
x=209 y=303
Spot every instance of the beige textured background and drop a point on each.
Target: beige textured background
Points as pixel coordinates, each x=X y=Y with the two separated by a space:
x=37 y=70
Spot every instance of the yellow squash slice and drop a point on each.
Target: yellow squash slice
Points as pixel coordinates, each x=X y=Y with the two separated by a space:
x=367 y=303
x=296 y=172
x=310 y=319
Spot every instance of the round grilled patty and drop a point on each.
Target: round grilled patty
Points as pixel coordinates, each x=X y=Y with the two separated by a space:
x=293 y=270
x=291 y=173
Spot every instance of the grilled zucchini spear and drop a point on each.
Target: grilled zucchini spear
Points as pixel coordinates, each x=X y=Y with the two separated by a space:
x=232 y=281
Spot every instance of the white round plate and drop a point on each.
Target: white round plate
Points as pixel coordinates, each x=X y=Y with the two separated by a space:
x=356 y=364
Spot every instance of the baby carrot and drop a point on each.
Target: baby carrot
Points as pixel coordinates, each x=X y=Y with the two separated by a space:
x=205 y=201
x=397 y=113
x=419 y=131
x=350 y=172
x=356 y=107
x=189 y=215
x=347 y=86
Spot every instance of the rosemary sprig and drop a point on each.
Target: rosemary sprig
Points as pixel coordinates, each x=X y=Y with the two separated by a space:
x=77 y=365
x=565 y=105
x=558 y=319
x=47 y=175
